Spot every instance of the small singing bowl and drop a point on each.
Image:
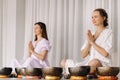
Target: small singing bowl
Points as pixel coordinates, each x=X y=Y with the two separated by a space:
x=107 y=71
x=52 y=71
x=79 y=71
x=29 y=71
x=5 y=71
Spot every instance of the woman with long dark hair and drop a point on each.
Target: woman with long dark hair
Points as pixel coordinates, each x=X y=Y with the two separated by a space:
x=38 y=49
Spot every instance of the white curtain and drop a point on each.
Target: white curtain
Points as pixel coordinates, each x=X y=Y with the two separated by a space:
x=12 y=20
x=64 y=26
x=0 y=32
x=66 y=20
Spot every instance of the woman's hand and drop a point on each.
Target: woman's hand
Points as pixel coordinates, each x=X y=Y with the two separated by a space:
x=91 y=41
x=90 y=37
x=31 y=48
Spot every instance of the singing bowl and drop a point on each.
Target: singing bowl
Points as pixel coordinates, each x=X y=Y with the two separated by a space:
x=29 y=71
x=52 y=71
x=79 y=71
x=5 y=71
x=107 y=71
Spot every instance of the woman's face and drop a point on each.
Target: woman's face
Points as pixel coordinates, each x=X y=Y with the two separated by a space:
x=97 y=19
x=37 y=30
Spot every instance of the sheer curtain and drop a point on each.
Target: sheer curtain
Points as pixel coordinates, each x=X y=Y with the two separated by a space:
x=66 y=20
x=0 y=32
x=64 y=25
x=12 y=20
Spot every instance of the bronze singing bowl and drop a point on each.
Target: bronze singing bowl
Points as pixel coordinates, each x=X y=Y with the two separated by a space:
x=79 y=71
x=29 y=71
x=107 y=71
x=52 y=71
x=5 y=71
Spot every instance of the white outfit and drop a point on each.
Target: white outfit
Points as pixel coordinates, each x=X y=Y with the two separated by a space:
x=33 y=61
x=105 y=41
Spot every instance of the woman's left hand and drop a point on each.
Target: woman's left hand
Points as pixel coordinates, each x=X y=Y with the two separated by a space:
x=90 y=37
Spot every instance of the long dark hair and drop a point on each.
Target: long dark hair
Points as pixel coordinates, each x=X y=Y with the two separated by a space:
x=44 y=31
x=103 y=13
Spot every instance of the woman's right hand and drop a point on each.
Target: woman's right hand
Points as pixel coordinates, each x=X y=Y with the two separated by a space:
x=90 y=37
x=31 y=48
x=86 y=50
